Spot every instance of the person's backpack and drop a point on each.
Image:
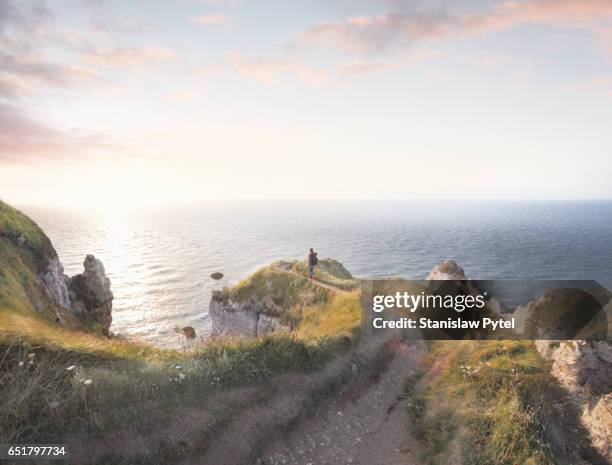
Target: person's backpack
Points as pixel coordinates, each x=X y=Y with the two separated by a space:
x=315 y=260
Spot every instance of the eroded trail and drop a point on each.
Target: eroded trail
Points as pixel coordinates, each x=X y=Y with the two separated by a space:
x=365 y=425
x=318 y=282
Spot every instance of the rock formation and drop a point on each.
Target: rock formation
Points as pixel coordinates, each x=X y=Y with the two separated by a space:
x=189 y=332
x=248 y=318
x=584 y=369
x=55 y=283
x=447 y=270
x=90 y=296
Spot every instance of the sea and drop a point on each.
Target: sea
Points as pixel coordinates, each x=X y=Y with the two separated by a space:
x=160 y=259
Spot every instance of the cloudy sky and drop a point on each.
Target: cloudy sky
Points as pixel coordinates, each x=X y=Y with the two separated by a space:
x=106 y=102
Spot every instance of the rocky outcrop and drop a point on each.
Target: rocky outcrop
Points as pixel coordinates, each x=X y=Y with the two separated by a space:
x=189 y=332
x=584 y=369
x=55 y=283
x=86 y=295
x=447 y=270
x=248 y=318
x=90 y=296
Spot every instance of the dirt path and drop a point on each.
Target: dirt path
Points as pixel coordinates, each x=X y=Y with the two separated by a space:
x=317 y=282
x=365 y=428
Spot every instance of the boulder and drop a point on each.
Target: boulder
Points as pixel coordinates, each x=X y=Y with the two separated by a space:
x=447 y=270
x=90 y=294
x=189 y=332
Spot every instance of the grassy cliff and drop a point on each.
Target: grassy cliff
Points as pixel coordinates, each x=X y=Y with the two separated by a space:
x=285 y=292
x=24 y=252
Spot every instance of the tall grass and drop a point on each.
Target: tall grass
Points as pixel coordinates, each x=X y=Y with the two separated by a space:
x=43 y=397
x=494 y=402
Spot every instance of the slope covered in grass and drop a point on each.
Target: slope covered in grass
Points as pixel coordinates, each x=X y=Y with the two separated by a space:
x=328 y=271
x=341 y=316
x=494 y=402
x=24 y=252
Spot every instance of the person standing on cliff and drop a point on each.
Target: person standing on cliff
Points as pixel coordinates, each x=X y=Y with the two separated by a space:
x=312 y=262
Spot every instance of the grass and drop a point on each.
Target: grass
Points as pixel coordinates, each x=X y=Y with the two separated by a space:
x=329 y=271
x=494 y=402
x=13 y=224
x=340 y=316
x=20 y=265
x=282 y=294
x=42 y=399
x=40 y=332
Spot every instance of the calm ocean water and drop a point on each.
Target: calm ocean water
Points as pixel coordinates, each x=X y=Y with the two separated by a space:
x=159 y=261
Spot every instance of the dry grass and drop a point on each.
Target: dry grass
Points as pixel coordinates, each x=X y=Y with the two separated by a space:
x=341 y=316
x=494 y=402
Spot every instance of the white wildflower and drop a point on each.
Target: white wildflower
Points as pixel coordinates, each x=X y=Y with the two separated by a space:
x=32 y=355
x=31 y=362
x=178 y=367
x=54 y=404
x=21 y=364
x=71 y=367
x=182 y=375
x=87 y=382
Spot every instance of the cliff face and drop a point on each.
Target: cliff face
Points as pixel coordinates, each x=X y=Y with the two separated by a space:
x=54 y=282
x=32 y=280
x=248 y=318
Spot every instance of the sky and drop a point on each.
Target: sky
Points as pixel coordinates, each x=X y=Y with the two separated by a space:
x=111 y=103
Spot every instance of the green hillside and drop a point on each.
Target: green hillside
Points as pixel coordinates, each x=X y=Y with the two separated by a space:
x=24 y=252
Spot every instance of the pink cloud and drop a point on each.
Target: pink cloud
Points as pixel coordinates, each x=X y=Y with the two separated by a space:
x=180 y=95
x=360 y=69
x=210 y=20
x=121 y=57
x=271 y=70
x=371 y=34
x=583 y=13
x=367 y=34
x=25 y=74
x=25 y=140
